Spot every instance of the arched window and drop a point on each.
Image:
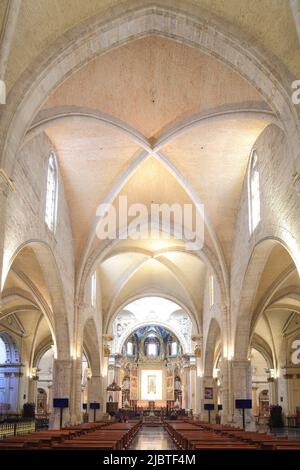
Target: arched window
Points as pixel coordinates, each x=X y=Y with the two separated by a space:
x=253 y=192
x=51 y=195
x=93 y=289
x=174 y=349
x=151 y=349
x=152 y=345
x=129 y=348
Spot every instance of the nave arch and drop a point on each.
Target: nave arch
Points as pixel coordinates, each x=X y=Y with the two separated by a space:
x=23 y=121
x=256 y=265
x=212 y=347
x=48 y=295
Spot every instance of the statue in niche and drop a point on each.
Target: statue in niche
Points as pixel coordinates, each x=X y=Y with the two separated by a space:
x=126 y=383
x=177 y=383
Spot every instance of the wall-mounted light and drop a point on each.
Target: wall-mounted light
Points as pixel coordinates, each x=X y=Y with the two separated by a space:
x=33 y=374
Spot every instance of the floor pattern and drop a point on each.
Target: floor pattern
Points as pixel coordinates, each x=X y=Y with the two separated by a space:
x=152 y=438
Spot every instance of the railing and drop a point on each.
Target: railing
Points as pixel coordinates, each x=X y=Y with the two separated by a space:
x=15 y=429
x=41 y=423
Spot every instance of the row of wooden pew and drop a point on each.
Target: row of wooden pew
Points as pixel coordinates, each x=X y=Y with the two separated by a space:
x=196 y=435
x=102 y=435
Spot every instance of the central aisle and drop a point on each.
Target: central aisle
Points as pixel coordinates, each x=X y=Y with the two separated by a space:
x=152 y=438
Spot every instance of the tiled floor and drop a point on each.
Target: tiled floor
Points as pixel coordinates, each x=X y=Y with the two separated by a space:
x=289 y=432
x=156 y=438
x=152 y=438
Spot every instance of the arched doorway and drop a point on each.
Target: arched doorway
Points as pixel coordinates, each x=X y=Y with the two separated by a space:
x=44 y=381
x=44 y=378
x=85 y=377
x=260 y=386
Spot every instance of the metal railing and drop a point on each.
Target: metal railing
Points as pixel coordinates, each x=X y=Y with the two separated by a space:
x=15 y=429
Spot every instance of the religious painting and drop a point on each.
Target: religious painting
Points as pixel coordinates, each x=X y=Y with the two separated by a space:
x=134 y=384
x=208 y=393
x=151 y=384
x=170 y=385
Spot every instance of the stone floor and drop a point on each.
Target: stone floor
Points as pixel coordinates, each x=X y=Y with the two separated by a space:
x=156 y=438
x=152 y=438
x=289 y=432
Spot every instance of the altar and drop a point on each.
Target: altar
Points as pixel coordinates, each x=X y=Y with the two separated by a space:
x=151 y=384
x=152 y=420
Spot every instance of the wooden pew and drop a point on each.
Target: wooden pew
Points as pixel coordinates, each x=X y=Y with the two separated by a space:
x=100 y=435
x=199 y=436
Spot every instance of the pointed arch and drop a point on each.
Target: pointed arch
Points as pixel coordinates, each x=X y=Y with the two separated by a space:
x=53 y=283
x=213 y=336
x=256 y=264
x=91 y=345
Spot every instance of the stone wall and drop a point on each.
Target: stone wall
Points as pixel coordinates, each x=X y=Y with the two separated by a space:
x=25 y=218
x=279 y=222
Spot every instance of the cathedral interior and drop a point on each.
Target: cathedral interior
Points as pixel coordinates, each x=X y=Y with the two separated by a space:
x=149 y=220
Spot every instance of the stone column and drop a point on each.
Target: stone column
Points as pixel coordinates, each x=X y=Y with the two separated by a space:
x=198 y=394
x=255 y=407
x=273 y=390
x=187 y=390
x=227 y=411
x=23 y=390
x=50 y=399
x=104 y=383
x=18 y=389
x=62 y=378
x=198 y=340
x=4 y=192
x=208 y=396
x=242 y=389
x=193 y=393
x=7 y=386
x=292 y=384
x=95 y=395
x=118 y=364
x=76 y=409
x=32 y=389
